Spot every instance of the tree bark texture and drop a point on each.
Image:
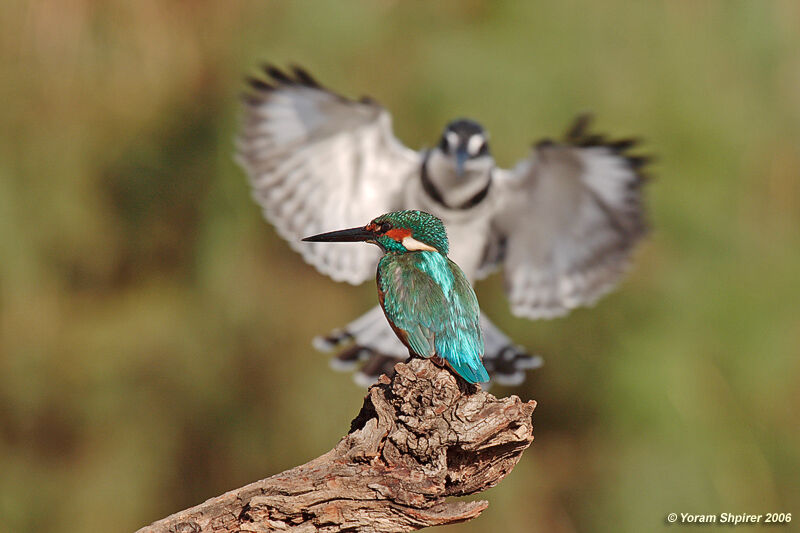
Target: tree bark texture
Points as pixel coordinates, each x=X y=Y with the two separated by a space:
x=420 y=437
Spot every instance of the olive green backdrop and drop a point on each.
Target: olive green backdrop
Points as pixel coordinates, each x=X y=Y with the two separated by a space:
x=155 y=332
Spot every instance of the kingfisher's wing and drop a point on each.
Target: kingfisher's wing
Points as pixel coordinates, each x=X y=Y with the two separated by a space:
x=434 y=318
x=568 y=218
x=318 y=162
x=462 y=344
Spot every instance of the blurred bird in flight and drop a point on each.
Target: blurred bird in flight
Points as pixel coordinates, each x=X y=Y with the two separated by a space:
x=562 y=223
x=426 y=298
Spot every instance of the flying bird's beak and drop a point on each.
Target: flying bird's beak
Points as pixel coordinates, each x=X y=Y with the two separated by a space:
x=345 y=235
x=461 y=157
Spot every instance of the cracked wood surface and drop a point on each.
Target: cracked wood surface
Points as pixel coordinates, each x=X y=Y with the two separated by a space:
x=419 y=438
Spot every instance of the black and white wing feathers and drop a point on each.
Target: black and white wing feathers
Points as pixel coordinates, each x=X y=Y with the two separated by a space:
x=318 y=162
x=568 y=219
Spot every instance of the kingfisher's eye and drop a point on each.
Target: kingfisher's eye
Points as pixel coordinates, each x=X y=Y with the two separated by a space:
x=444 y=146
x=385 y=227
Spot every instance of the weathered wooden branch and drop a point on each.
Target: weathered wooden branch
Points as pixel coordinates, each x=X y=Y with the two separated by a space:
x=420 y=437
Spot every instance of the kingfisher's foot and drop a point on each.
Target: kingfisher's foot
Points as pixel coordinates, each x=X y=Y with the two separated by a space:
x=440 y=362
x=465 y=386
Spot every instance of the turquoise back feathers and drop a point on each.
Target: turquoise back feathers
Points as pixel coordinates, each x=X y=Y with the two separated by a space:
x=426 y=297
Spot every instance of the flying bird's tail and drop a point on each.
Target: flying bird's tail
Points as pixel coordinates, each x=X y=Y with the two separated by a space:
x=369 y=346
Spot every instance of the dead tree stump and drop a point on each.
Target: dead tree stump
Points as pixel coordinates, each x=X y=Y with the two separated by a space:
x=420 y=437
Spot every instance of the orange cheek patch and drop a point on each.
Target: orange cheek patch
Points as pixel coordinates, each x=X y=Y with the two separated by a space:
x=398 y=234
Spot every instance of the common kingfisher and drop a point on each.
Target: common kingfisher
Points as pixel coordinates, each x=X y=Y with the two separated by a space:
x=426 y=297
x=562 y=223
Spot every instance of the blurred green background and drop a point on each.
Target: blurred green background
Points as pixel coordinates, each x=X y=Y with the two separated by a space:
x=155 y=332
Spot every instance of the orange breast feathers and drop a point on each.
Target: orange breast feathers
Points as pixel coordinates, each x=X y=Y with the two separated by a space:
x=398 y=234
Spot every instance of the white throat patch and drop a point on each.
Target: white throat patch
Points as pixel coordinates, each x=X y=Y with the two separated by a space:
x=413 y=245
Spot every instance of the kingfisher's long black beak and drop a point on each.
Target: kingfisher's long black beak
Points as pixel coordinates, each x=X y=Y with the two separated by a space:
x=461 y=157
x=344 y=235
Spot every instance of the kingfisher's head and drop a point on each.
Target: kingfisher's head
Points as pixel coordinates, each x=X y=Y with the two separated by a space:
x=399 y=232
x=466 y=144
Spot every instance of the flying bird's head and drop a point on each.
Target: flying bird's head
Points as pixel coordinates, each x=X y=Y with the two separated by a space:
x=465 y=143
x=399 y=232
x=458 y=172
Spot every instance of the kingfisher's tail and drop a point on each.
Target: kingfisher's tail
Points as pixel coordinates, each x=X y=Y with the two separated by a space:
x=474 y=373
x=369 y=343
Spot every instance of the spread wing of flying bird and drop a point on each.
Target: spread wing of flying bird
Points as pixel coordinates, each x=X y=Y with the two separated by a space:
x=569 y=218
x=562 y=223
x=318 y=161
